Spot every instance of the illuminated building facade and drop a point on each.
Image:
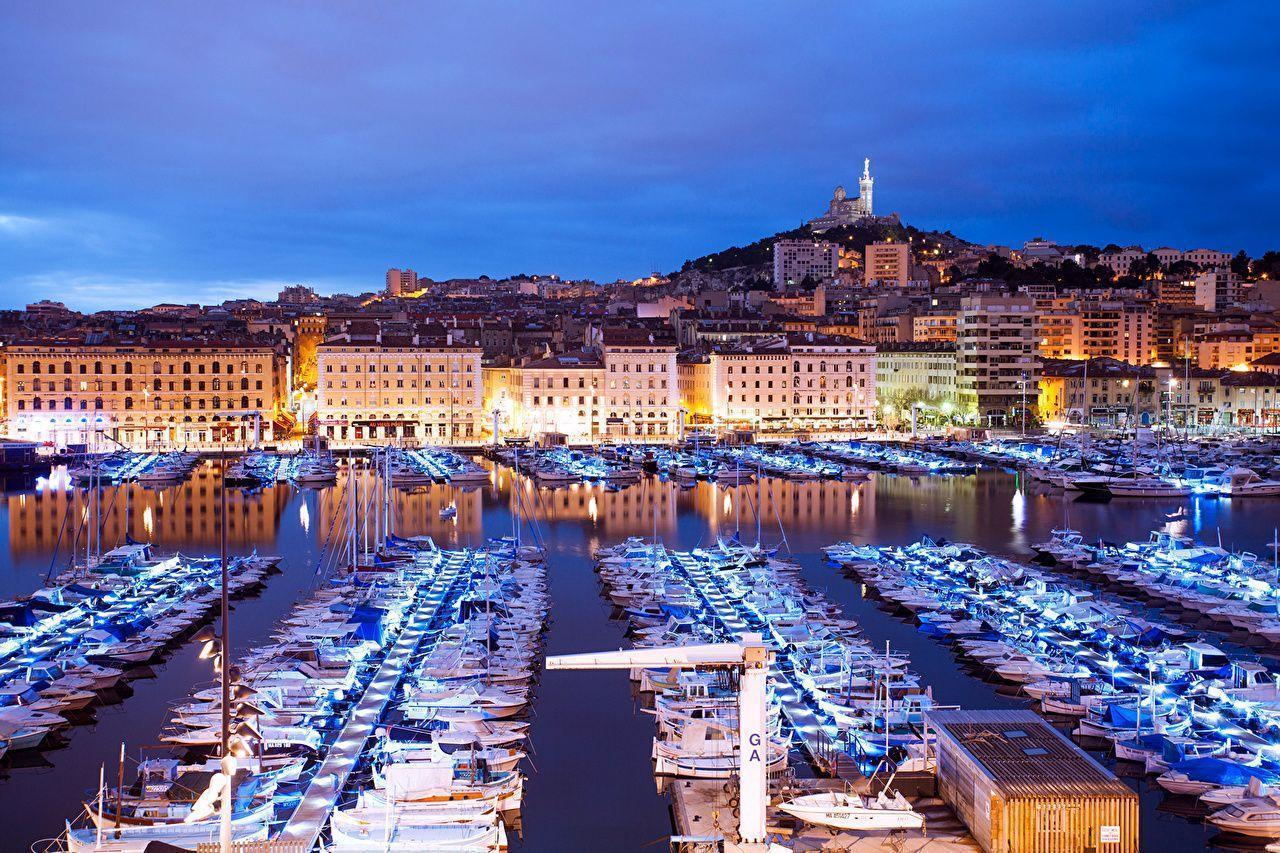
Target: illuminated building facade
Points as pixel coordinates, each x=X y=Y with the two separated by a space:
x=399 y=391
x=158 y=395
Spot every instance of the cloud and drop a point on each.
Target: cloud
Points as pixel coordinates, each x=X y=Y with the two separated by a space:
x=87 y=292
x=20 y=227
x=328 y=142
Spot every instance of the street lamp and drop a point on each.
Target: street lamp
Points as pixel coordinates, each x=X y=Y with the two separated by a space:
x=1023 y=383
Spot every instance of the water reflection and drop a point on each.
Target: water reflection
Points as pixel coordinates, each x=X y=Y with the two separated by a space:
x=579 y=715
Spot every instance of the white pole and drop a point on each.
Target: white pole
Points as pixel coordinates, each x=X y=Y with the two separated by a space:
x=102 y=786
x=753 y=742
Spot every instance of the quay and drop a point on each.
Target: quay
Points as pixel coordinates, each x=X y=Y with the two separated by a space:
x=702 y=816
x=321 y=796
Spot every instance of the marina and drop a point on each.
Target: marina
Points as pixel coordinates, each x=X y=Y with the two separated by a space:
x=831 y=742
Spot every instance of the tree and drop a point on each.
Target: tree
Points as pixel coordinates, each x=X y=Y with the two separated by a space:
x=1268 y=266
x=1240 y=264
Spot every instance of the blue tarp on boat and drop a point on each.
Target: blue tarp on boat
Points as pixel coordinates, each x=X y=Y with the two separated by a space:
x=1220 y=771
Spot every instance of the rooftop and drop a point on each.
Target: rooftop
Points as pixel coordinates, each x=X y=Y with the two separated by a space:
x=1024 y=756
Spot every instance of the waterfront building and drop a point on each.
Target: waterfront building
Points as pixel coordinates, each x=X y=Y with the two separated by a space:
x=1101 y=391
x=797 y=382
x=1023 y=787
x=919 y=372
x=161 y=394
x=996 y=365
x=398 y=389
x=639 y=394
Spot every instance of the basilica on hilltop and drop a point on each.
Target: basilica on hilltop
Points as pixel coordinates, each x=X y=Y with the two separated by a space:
x=844 y=210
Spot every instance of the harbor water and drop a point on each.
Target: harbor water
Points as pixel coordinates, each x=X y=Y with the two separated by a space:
x=590 y=786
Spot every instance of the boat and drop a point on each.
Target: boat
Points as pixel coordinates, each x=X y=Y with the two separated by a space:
x=853 y=811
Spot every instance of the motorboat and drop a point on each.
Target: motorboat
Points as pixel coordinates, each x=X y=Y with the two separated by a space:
x=853 y=811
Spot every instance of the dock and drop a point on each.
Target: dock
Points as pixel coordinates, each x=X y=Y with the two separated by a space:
x=816 y=733
x=312 y=814
x=702 y=817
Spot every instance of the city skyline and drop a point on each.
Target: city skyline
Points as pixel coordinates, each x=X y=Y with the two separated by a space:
x=322 y=146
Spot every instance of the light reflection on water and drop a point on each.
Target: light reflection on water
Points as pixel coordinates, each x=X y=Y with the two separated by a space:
x=578 y=715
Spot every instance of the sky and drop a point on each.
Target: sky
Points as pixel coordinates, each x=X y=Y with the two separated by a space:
x=176 y=151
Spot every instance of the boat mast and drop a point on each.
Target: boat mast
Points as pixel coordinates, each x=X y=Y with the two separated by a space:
x=759 y=503
x=737 y=504
x=515 y=493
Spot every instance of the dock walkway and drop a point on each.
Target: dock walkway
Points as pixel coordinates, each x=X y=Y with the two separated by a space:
x=737 y=620
x=312 y=814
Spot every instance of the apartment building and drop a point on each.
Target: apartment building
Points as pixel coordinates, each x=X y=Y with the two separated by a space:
x=164 y=394
x=1231 y=348
x=640 y=394
x=996 y=366
x=399 y=390
x=917 y=372
x=796 y=260
x=554 y=395
x=1101 y=392
x=1217 y=290
x=1117 y=329
x=887 y=263
x=800 y=381
x=933 y=328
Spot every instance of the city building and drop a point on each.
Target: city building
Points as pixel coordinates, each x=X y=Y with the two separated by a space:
x=794 y=261
x=919 y=373
x=162 y=394
x=794 y=383
x=843 y=210
x=401 y=389
x=1121 y=262
x=933 y=328
x=1101 y=392
x=887 y=264
x=1217 y=289
x=1227 y=349
x=555 y=396
x=997 y=370
x=640 y=395
x=1117 y=329
x=400 y=282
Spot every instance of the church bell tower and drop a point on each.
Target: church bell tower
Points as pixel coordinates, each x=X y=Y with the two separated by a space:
x=864 y=187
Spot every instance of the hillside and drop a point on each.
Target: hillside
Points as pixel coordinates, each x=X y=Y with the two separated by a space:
x=856 y=237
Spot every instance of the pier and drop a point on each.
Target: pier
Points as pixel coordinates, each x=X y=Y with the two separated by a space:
x=814 y=734
x=312 y=814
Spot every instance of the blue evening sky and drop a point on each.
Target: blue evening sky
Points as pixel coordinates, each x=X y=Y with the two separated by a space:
x=180 y=151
